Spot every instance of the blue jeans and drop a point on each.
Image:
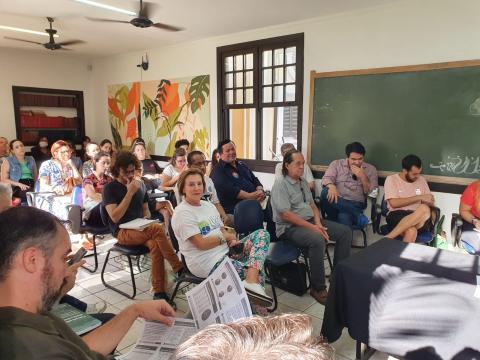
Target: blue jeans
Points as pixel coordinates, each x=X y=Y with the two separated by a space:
x=343 y=211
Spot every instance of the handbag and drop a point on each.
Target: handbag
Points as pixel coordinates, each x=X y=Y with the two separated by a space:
x=291 y=277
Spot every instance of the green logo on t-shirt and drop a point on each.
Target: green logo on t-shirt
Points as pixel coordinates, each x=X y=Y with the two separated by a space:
x=204 y=227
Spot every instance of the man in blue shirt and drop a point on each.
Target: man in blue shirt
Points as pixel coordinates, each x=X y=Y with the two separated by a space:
x=233 y=179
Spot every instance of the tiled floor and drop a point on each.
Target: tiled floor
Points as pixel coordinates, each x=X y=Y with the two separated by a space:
x=90 y=289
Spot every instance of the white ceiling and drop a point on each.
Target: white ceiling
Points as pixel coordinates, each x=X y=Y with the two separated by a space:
x=200 y=18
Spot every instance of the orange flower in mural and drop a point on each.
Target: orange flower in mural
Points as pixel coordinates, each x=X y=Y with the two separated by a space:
x=169 y=99
x=133 y=99
x=113 y=107
x=131 y=129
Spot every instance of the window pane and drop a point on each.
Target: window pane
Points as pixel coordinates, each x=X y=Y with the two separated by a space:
x=267 y=58
x=242 y=132
x=239 y=62
x=238 y=79
x=278 y=57
x=229 y=80
x=267 y=76
x=229 y=97
x=249 y=61
x=239 y=96
x=290 y=74
x=267 y=94
x=291 y=55
x=279 y=126
x=249 y=78
x=229 y=63
x=278 y=78
x=290 y=93
x=278 y=93
x=249 y=96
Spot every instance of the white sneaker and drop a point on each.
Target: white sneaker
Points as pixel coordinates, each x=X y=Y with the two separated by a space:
x=96 y=308
x=256 y=293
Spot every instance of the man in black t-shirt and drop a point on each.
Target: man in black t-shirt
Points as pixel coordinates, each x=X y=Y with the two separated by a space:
x=125 y=199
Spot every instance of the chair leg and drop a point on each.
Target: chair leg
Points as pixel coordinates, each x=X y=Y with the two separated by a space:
x=95 y=258
x=177 y=286
x=114 y=288
x=364 y=234
x=329 y=258
x=274 y=291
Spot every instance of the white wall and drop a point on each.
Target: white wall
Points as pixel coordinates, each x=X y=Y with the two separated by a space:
x=40 y=69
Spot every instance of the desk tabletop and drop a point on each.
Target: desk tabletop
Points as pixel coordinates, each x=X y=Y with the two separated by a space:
x=399 y=298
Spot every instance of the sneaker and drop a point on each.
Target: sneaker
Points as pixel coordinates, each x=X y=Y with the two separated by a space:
x=362 y=221
x=164 y=296
x=96 y=308
x=257 y=295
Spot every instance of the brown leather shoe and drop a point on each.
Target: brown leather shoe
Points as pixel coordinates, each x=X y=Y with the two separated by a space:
x=319 y=295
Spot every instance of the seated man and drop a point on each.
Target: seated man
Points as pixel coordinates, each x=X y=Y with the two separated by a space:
x=197 y=160
x=126 y=199
x=33 y=257
x=298 y=221
x=233 y=179
x=307 y=174
x=346 y=184
x=409 y=200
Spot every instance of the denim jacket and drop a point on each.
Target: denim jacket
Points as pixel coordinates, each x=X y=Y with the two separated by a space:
x=15 y=172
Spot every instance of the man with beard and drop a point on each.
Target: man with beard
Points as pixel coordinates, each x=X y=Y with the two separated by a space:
x=33 y=250
x=409 y=200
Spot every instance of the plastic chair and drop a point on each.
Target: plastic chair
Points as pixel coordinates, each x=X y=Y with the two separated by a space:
x=128 y=252
x=363 y=230
x=460 y=238
x=424 y=237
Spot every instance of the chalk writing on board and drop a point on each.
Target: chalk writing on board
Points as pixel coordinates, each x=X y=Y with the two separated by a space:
x=469 y=165
x=475 y=107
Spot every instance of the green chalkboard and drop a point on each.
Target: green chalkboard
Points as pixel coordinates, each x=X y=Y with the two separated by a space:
x=432 y=111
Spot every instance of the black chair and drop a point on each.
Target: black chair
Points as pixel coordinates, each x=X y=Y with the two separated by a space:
x=363 y=230
x=78 y=226
x=186 y=276
x=424 y=237
x=128 y=252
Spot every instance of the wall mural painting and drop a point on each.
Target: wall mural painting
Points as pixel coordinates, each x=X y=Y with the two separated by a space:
x=123 y=113
x=176 y=109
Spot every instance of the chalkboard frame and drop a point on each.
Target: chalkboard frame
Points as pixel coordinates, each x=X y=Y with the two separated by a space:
x=438 y=180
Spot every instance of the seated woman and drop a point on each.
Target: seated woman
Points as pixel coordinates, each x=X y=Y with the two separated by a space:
x=470 y=213
x=91 y=150
x=178 y=163
x=59 y=174
x=151 y=170
x=214 y=162
x=93 y=185
x=106 y=146
x=19 y=170
x=204 y=242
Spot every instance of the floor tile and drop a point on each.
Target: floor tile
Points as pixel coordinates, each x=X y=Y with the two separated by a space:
x=78 y=292
x=300 y=303
x=316 y=310
x=110 y=296
x=345 y=345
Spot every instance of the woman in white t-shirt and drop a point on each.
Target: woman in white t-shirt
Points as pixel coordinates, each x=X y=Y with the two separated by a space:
x=177 y=165
x=204 y=241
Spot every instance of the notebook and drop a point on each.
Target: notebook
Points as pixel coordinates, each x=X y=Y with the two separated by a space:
x=77 y=320
x=138 y=224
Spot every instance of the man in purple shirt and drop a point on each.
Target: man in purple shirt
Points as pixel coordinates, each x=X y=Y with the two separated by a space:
x=346 y=185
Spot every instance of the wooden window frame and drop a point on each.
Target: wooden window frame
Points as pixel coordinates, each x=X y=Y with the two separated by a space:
x=257 y=47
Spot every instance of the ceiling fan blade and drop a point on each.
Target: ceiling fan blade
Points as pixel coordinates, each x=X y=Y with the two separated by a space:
x=28 y=41
x=167 y=27
x=147 y=9
x=68 y=49
x=108 y=20
x=71 y=42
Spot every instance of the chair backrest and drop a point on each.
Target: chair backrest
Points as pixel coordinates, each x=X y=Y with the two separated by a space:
x=271 y=227
x=104 y=215
x=173 y=238
x=248 y=216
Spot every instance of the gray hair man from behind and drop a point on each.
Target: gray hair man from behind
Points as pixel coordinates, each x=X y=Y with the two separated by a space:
x=5 y=196
x=283 y=337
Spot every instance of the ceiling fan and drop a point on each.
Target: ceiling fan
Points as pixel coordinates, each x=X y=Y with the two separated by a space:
x=51 y=45
x=142 y=20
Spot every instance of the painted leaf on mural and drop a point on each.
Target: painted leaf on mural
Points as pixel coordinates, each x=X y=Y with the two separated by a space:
x=200 y=139
x=124 y=110
x=116 y=137
x=199 y=90
x=150 y=109
x=171 y=145
x=167 y=97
